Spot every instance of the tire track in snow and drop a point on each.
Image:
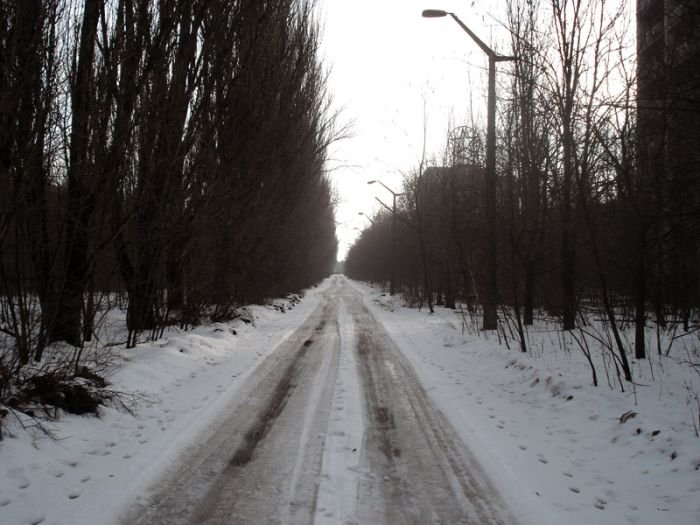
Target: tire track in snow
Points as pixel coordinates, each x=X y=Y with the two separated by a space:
x=420 y=469
x=342 y=470
x=261 y=462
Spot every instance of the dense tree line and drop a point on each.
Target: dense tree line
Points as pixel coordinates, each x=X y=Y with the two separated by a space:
x=169 y=151
x=582 y=220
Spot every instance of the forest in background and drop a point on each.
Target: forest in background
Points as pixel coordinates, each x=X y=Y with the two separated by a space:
x=166 y=157
x=597 y=212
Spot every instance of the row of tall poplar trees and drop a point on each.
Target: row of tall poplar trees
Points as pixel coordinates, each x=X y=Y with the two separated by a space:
x=168 y=150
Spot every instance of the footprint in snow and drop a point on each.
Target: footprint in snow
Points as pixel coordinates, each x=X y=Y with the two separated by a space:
x=5 y=502
x=575 y=490
x=85 y=479
x=568 y=474
x=500 y=427
x=522 y=447
x=74 y=494
x=600 y=503
x=542 y=459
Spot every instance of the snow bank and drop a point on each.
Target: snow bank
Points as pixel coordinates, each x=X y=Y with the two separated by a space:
x=95 y=467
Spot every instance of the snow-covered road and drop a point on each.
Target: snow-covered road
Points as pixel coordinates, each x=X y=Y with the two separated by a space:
x=290 y=448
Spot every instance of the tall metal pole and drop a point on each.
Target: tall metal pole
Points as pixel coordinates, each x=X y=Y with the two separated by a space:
x=392 y=274
x=394 y=250
x=490 y=301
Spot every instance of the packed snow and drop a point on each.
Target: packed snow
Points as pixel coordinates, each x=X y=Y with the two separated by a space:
x=337 y=491
x=558 y=449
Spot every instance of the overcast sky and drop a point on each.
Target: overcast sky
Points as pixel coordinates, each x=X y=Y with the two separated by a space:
x=386 y=64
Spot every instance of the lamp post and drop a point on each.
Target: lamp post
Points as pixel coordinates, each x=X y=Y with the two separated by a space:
x=392 y=281
x=490 y=297
x=366 y=217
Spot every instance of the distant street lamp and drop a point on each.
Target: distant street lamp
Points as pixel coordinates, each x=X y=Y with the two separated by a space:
x=392 y=281
x=366 y=217
x=491 y=295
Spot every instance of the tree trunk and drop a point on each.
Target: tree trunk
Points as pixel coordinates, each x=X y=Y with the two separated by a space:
x=528 y=298
x=568 y=250
x=67 y=326
x=639 y=305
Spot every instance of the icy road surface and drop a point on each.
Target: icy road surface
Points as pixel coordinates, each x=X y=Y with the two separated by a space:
x=333 y=427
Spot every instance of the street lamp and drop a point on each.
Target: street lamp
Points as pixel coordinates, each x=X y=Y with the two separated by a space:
x=366 y=217
x=490 y=297
x=392 y=281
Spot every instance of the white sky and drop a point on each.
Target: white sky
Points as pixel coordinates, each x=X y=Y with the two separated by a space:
x=386 y=63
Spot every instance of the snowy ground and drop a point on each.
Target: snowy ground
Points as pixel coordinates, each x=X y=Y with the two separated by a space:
x=97 y=467
x=551 y=443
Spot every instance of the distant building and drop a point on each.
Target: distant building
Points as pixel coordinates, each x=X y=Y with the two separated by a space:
x=668 y=51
